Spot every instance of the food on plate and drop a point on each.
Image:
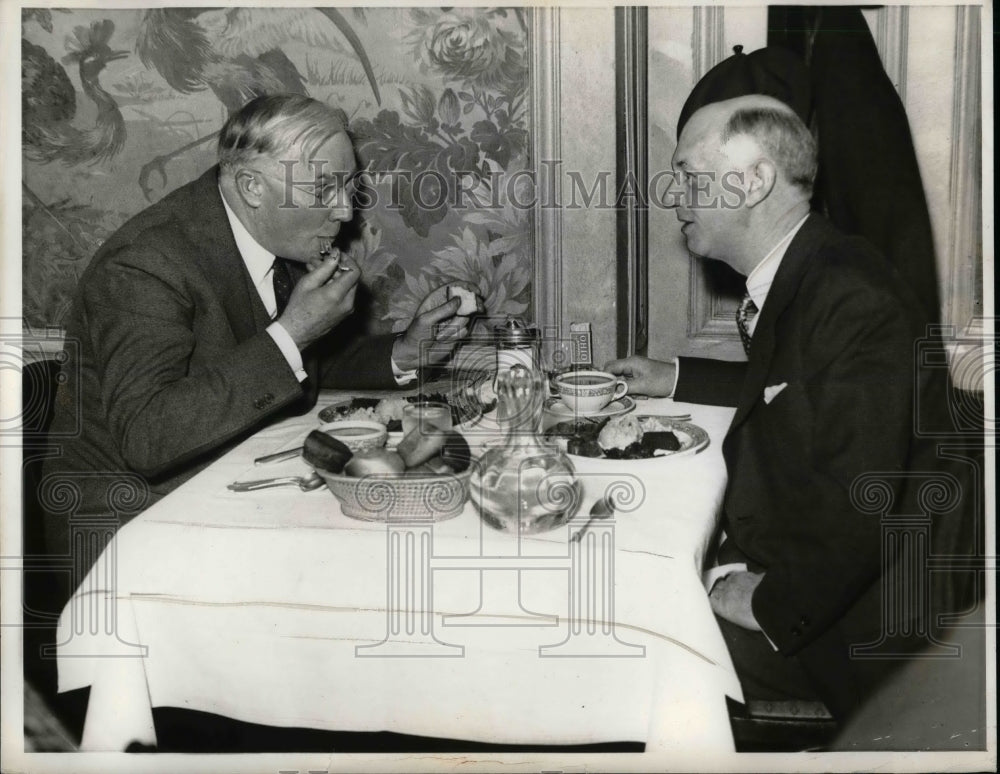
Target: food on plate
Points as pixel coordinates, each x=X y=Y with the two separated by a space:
x=620 y=433
x=355 y=408
x=623 y=438
x=373 y=462
x=465 y=401
x=471 y=302
x=577 y=436
x=325 y=452
x=658 y=440
x=389 y=411
x=584 y=446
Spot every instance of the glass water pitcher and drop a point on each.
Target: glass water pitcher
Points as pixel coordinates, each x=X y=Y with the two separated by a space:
x=525 y=485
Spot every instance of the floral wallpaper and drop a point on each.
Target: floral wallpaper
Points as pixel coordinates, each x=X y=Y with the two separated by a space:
x=121 y=106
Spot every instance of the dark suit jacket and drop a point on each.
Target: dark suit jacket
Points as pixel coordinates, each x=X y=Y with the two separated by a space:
x=839 y=330
x=170 y=361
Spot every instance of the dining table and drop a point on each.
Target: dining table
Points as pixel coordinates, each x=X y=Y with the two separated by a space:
x=273 y=607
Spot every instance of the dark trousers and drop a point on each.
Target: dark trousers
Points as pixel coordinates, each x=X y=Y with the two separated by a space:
x=764 y=672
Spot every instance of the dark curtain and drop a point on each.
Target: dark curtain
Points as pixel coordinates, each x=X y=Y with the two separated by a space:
x=868 y=182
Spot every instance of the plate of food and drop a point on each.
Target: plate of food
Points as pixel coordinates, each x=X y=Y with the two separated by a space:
x=468 y=402
x=629 y=437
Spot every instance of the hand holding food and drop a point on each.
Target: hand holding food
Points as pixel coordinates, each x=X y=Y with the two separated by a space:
x=471 y=303
x=439 y=323
x=320 y=300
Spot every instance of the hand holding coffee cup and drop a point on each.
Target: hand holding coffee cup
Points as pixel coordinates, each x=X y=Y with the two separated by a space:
x=587 y=392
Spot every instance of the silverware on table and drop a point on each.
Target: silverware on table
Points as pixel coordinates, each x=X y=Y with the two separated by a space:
x=305 y=483
x=287 y=454
x=601 y=509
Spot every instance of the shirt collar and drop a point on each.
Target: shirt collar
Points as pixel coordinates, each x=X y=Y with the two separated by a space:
x=257 y=260
x=760 y=279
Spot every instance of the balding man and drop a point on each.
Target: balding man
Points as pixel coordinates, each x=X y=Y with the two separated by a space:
x=215 y=312
x=827 y=395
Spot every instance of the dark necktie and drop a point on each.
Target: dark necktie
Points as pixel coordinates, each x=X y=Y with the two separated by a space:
x=281 y=277
x=744 y=316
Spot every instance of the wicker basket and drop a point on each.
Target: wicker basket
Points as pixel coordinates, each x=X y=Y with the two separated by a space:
x=399 y=498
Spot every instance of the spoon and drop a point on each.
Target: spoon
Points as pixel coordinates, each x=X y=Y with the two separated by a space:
x=601 y=509
x=305 y=483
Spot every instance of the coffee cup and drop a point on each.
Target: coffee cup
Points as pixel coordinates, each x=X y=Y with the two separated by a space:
x=587 y=392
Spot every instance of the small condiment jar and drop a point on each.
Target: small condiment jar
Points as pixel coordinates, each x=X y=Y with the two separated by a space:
x=517 y=344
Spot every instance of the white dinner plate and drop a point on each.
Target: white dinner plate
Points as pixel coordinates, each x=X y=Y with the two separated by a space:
x=693 y=439
x=557 y=408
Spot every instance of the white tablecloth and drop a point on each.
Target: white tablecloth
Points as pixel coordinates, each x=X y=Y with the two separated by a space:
x=272 y=607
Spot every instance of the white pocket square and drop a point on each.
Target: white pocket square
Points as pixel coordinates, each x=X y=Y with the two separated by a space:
x=770 y=393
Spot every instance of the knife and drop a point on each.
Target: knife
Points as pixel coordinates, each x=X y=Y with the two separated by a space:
x=287 y=454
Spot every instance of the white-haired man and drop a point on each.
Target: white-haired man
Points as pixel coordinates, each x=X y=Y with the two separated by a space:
x=214 y=312
x=825 y=398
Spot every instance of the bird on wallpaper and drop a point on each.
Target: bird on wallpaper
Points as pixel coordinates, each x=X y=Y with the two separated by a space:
x=48 y=100
x=236 y=53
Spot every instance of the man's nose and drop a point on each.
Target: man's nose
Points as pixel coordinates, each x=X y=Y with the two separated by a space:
x=674 y=193
x=342 y=208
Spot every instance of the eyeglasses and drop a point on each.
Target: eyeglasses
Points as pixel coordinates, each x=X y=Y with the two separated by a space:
x=328 y=194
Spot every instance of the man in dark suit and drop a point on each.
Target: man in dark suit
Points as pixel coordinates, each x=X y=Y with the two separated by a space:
x=215 y=311
x=824 y=403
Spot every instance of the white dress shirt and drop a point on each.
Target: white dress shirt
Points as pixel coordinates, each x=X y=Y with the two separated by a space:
x=760 y=279
x=758 y=284
x=260 y=265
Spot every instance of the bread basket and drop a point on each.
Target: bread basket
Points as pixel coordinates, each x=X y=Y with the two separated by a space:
x=400 y=498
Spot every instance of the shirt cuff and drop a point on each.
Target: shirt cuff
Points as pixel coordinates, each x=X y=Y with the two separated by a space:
x=677 y=375
x=291 y=352
x=402 y=377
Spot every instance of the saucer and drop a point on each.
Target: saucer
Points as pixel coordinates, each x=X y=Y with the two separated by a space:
x=556 y=407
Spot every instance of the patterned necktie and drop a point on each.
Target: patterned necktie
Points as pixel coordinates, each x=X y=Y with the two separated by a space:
x=744 y=316
x=281 y=278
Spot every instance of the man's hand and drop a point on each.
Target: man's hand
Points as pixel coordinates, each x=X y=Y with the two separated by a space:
x=436 y=332
x=731 y=598
x=317 y=305
x=645 y=376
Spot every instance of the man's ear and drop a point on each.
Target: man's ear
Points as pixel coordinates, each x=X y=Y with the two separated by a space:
x=761 y=176
x=250 y=187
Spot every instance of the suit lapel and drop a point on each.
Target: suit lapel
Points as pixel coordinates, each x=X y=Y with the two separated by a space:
x=783 y=290
x=226 y=272
x=221 y=261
